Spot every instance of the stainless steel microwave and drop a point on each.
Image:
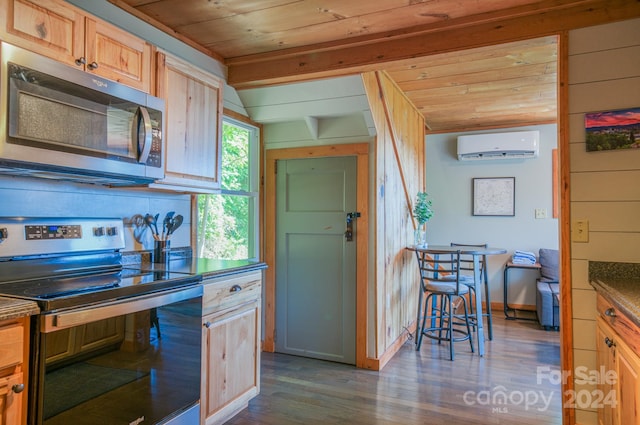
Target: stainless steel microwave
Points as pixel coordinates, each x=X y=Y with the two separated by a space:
x=63 y=123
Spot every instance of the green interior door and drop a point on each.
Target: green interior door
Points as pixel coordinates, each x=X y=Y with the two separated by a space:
x=315 y=264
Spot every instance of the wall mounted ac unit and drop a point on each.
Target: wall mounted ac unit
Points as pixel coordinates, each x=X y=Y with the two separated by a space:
x=514 y=145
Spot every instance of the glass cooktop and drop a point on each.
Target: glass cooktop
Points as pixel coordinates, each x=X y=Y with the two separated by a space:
x=80 y=290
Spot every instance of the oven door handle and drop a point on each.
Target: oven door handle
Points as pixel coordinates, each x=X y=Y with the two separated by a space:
x=63 y=320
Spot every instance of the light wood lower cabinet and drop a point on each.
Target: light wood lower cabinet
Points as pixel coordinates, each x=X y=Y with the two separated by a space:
x=231 y=345
x=14 y=340
x=11 y=399
x=617 y=343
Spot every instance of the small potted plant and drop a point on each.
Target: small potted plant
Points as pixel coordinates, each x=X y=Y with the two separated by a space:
x=422 y=212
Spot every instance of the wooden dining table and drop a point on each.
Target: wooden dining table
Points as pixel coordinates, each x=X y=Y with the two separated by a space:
x=476 y=252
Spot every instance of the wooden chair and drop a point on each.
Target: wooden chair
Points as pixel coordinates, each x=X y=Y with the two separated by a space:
x=466 y=268
x=440 y=281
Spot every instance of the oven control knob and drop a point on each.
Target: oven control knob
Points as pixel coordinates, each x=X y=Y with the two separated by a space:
x=112 y=231
x=4 y=233
x=17 y=388
x=98 y=231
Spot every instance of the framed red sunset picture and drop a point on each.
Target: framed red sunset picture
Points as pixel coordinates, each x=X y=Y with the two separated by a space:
x=612 y=130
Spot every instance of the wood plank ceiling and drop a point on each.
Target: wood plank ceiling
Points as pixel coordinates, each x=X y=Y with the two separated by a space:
x=464 y=64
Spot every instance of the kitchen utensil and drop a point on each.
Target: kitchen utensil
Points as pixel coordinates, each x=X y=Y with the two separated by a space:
x=175 y=223
x=150 y=221
x=155 y=224
x=166 y=223
x=137 y=220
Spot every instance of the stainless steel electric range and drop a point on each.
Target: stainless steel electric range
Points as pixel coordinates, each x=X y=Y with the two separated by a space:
x=114 y=343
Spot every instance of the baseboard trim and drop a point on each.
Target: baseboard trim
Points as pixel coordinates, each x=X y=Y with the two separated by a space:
x=380 y=362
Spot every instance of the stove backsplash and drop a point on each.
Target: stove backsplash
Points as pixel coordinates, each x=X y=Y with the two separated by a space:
x=26 y=197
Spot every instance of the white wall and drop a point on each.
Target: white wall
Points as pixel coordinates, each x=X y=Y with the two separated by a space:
x=604 y=74
x=27 y=197
x=331 y=131
x=449 y=183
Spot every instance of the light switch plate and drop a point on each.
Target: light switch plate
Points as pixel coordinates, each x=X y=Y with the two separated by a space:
x=541 y=213
x=580 y=230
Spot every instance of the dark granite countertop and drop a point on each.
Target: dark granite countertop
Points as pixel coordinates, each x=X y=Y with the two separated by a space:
x=181 y=261
x=11 y=308
x=620 y=284
x=207 y=268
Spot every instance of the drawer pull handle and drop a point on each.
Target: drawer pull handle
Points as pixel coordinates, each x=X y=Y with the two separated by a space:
x=235 y=288
x=207 y=324
x=610 y=312
x=17 y=388
x=609 y=342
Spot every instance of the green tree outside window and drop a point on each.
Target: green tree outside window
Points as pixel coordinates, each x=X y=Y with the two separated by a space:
x=227 y=222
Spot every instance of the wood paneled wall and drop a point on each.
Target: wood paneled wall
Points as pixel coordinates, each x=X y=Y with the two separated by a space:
x=604 y=74
x=399 y=174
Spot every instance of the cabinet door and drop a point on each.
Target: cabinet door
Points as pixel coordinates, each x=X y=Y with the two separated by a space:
x=49 y=27
x=193 y=125
x=11 y=399
x=231 y=362
x=605 y=357
x=628 y=367
x=117 y=55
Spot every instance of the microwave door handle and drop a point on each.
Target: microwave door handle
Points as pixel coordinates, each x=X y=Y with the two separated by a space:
x=143 y=115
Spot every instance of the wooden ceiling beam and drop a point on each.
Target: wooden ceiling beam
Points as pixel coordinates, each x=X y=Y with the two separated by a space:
x=547 y=17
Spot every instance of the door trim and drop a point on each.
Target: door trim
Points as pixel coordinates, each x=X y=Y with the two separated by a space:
x=361 y=151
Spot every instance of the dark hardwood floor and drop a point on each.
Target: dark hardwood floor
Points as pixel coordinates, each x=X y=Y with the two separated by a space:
x=510 y=385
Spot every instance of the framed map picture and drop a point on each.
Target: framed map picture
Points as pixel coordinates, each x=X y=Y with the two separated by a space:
x=494 y=196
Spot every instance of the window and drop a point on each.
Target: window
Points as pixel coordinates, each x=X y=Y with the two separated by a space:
x=228 y=222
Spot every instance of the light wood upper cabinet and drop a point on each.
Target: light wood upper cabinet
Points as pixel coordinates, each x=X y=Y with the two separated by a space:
x=193 y=126
x=58 y=30
x=117 y=55
x=231 y=346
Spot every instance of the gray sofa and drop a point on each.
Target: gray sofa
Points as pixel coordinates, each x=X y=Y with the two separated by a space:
x=547 y=285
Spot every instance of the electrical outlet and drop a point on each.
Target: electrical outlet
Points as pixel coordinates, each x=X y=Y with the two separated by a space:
x=580 y=230
x=541 y=213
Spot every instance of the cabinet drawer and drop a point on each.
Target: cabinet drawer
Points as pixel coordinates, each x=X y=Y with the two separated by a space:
x=225 y=292
x=11 y=345
x=621 y=324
